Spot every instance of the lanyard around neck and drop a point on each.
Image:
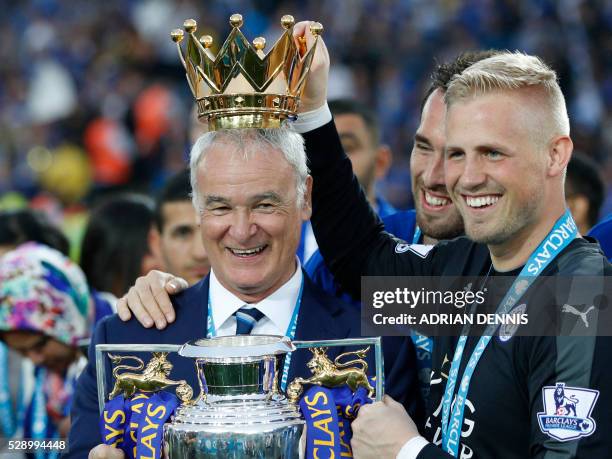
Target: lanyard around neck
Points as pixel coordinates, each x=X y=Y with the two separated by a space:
x=562 y=234
x=211 y=330
x=417 y=235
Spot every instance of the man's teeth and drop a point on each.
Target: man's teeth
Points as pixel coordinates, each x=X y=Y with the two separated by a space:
x=248 y=252
x=435 y=200
x=481 y=201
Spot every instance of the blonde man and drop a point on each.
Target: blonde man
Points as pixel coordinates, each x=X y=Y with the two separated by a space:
x=507 y=148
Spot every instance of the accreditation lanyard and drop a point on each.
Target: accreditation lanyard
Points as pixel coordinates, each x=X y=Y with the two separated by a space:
x=417 y=235
x=211 y=331
x=562 y=234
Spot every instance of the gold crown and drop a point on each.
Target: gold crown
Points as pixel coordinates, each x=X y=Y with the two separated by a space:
x=242 y=87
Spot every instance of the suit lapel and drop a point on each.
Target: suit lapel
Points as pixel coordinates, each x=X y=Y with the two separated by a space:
x=194 y=322
x=196 y=309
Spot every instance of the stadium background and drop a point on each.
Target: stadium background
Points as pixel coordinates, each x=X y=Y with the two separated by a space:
x=93 y=98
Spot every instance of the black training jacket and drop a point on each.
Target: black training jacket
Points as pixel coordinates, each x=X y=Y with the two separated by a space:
x=514 y=384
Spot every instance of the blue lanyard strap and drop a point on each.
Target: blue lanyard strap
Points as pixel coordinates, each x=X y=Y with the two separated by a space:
x=211 y=331
x=417 y=235
x=562 y=234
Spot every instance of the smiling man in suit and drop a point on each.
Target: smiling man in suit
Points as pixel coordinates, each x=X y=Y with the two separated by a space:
x=251 y=191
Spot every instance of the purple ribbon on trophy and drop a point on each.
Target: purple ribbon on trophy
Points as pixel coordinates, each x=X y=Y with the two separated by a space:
x=113 y=421
x=328 y=414
x=136 y=425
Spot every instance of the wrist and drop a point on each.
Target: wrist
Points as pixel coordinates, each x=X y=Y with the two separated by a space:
x=412 y=447
x=310 y=120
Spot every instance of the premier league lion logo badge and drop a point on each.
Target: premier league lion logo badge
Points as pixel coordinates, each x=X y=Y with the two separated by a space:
x=567 y=412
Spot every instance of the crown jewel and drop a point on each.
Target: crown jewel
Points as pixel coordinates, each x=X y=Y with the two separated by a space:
x=242 y=86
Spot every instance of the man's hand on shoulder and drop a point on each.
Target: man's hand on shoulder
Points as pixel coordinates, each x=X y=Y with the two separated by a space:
x=106 y=452
x=149 y=299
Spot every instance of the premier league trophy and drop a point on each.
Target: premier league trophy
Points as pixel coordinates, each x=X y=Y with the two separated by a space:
x=240 y=411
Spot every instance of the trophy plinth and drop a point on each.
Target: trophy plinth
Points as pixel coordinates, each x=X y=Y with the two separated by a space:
x=240 y=411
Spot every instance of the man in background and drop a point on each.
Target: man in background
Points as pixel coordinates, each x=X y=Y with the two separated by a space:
x=371 y=159
x=175 y=238
x=584 y=191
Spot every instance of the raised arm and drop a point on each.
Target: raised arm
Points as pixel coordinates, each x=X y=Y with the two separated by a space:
x=350 y=235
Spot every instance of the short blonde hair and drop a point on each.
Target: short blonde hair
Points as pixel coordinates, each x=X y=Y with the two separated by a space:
x=510 y=71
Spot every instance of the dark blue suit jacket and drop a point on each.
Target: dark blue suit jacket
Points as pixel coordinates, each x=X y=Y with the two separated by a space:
x=321 y=316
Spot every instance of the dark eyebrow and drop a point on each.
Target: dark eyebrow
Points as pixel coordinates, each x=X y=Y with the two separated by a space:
x=421 y=138
x=182 y=228
x=349 y=136
x=488 y=147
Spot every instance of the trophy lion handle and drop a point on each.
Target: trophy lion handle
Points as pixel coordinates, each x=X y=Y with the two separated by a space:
x=333 y=374
x=154 y=377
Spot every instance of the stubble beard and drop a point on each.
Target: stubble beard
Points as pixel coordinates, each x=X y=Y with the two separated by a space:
x=450 y=228
x=505 y=230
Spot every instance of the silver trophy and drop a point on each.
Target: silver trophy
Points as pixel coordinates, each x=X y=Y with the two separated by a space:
x=240 y=411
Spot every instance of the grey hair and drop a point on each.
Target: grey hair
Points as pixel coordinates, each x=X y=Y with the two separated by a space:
x=246 y=141
x=508 y=71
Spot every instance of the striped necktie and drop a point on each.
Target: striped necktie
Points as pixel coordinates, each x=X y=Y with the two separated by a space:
x=246 y=318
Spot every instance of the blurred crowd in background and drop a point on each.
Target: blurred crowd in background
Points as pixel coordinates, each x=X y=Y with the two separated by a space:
x=93 y=98
x=94 y=104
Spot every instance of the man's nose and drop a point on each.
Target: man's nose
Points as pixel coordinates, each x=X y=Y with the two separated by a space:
x=242 y=227
x=434 y=173
x=473 y=174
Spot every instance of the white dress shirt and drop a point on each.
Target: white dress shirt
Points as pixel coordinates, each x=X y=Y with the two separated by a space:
x=277 y=308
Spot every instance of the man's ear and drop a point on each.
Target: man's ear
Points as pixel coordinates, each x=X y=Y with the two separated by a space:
x=154 y=238
x=153 y=258
x=559 y=154
x=307 y=204
x=384 y=159
x=149 y=263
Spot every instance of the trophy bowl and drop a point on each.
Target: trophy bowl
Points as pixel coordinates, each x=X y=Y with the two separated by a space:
x=240 y=412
